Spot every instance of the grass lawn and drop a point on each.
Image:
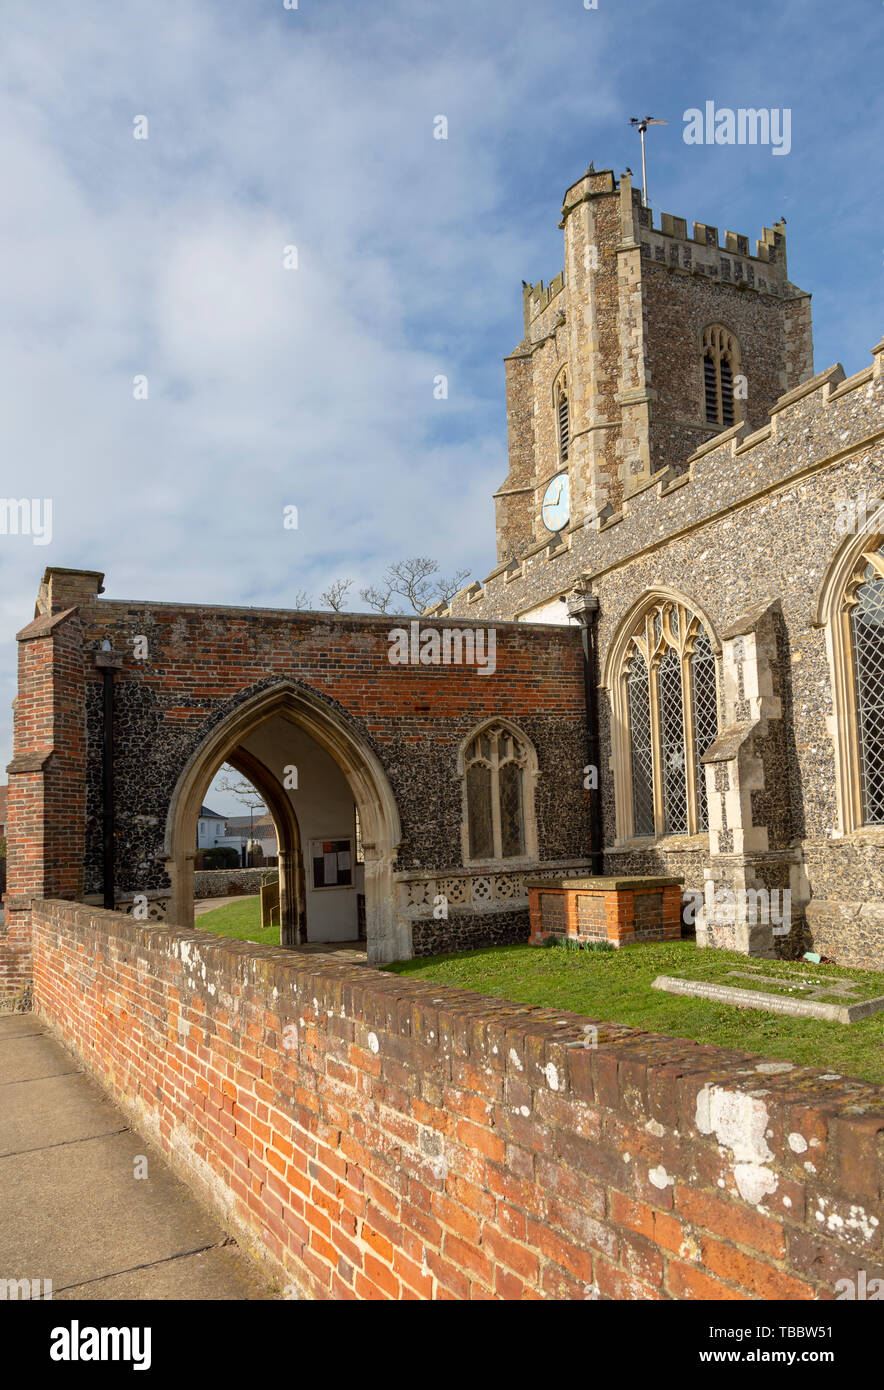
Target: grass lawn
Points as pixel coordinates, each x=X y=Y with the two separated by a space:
x=241 y=919
x=615 y=987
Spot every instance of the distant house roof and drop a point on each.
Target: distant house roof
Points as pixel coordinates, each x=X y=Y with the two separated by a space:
x=3 y=792
x=261 y=829
x=207 y=814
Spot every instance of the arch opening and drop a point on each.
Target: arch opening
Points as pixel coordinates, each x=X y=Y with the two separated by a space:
x=327 y=794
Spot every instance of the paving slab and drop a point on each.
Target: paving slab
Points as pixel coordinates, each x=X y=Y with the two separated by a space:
x=72 y=1208
x=773 y=1003
x=218 y=1274
x=55 y=1110
x=31 y=1058
x=18 y=1025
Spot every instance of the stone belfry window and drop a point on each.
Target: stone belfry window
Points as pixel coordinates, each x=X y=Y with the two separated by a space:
x=563 y=417
x=721 y=363
x=864 y=609
x=499 y=769
x=671 y=704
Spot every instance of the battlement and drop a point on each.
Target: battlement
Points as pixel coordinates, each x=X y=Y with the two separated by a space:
x=765 y=270
x=536 y=298
x=695 y=248
x=811 y=427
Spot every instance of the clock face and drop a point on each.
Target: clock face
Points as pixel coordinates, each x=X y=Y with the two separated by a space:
x=556 y=506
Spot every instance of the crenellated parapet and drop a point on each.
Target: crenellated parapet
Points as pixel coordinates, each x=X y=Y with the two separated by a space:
x=700 y=252
x=623 y=333
x=810 y=428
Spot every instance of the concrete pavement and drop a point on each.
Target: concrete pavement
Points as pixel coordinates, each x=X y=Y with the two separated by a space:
x=71 y=1206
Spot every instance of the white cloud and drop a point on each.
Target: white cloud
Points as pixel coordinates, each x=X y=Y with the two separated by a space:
x=313 y=387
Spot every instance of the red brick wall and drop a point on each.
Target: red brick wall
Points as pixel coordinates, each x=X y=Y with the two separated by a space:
x=47 y=792
x=424 y=1142
x=201 y=664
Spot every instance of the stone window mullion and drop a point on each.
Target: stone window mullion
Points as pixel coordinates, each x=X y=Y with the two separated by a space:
x=852 y=731
x=687 y=706
x=669 y=711
x=656 y=747
x=495 y=798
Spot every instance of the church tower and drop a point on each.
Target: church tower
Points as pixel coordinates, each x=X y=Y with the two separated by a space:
x=651 y=341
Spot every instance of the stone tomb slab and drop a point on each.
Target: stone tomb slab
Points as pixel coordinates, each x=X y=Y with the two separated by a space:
x=831 y=1011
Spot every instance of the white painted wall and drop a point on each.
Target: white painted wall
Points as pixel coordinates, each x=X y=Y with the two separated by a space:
x=325 y=809
x=209 y=831
x=552 y=611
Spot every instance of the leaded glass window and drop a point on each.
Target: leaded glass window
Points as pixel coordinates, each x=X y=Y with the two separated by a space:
x=705 y=708
x=481 y=820
x=496 y=766
x=672 y=710
x=867 y=641
x=672 y=745
x=512 y=837
x=642 y=752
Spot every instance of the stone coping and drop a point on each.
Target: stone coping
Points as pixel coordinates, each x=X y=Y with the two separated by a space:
x=775 y=1003
x=608 y=883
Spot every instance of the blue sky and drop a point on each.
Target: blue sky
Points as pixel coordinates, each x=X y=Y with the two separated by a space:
x=314 y=127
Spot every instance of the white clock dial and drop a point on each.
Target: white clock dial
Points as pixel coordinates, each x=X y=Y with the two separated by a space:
x=556 y=506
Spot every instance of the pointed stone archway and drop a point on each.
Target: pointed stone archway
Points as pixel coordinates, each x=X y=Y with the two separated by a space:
x=292 y=879
x=387 y=936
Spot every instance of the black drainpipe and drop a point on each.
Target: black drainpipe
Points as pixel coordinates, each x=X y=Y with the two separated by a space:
x=108 y=663
x=585 y=608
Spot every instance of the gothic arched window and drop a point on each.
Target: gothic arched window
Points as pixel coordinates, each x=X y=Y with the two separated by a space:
x=671 y=706
x=863 y=609
x=499 y=770
x=721 y=363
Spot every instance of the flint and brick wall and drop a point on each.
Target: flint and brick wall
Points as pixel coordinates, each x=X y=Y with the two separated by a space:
x=626 y=316
x=753 y=520
x=219 y=883
x=369 y=1137
x=202 y=664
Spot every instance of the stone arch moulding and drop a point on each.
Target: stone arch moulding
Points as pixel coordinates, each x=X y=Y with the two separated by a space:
x=832 y=613
x=529 y=787
x=292 y=878
x=559 y=383
x=388 y=938
x=613 y=680
x=655 y=593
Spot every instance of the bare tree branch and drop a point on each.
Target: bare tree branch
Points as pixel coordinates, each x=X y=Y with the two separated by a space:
x=301 y=599
x=335 y=595
x=410 y=579
x=240 y=788
x=376 y=598
x=445 y=589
